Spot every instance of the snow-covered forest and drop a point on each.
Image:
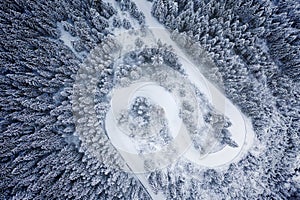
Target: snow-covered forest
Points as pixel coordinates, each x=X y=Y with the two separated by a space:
x=140 y=99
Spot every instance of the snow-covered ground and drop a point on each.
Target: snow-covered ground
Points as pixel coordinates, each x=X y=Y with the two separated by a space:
x=121 y=100
x=241 y=128
x=161 y=97
x=67 y=39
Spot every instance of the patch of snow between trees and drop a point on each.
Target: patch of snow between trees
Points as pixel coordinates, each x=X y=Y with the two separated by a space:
x=67 y=39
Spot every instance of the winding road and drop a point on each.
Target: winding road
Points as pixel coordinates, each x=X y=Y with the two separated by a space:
x=241 y=129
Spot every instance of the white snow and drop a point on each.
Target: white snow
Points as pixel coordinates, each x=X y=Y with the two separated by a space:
x=241 y=129
x=164 y=99
x=67 y=39
x=122 y=98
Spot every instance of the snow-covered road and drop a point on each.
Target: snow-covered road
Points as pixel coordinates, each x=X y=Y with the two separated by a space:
x=241 y=128
x=121 y=100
